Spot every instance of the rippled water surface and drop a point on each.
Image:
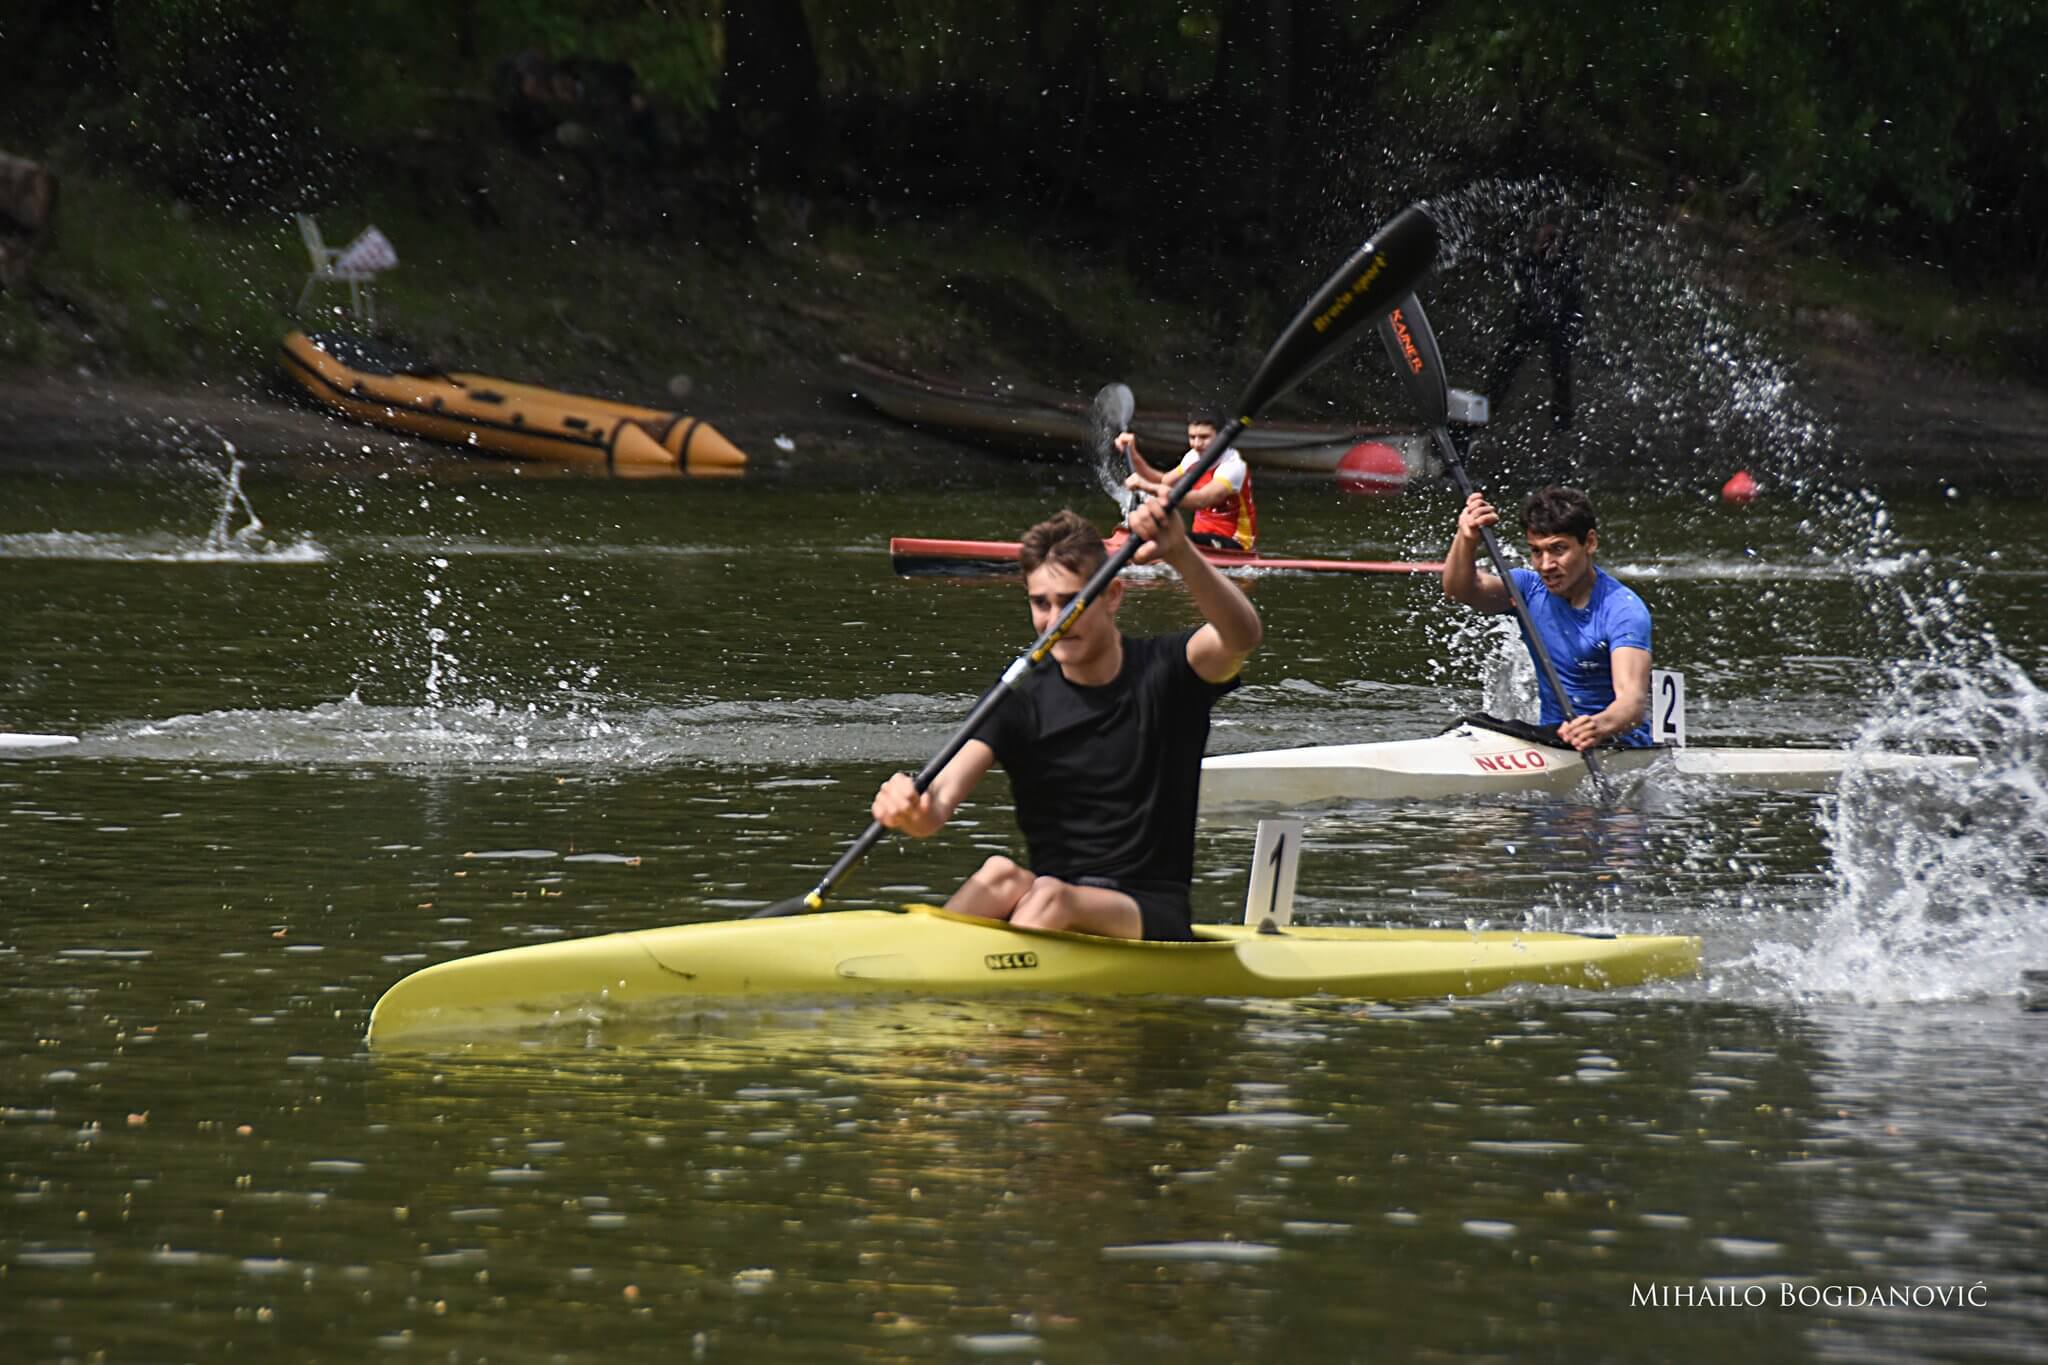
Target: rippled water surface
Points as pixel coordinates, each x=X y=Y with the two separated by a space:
x=410 y=717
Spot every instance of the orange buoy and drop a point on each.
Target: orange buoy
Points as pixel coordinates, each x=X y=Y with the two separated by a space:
x=1372 y=467
x=1741 y=488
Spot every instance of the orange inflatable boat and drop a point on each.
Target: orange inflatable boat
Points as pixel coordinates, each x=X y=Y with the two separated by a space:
x=380 y=385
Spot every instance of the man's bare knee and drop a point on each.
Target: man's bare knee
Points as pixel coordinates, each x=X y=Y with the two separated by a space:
x=1001 y=873
x=993 y=891
x=1044 y=906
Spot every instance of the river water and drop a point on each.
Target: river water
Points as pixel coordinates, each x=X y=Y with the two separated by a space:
x=426 y=711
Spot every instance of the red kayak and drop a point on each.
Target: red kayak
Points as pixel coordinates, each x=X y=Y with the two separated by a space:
x=908 y=555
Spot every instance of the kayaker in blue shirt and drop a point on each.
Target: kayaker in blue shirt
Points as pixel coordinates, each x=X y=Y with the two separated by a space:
x=1596 y=630
x=1103 y=750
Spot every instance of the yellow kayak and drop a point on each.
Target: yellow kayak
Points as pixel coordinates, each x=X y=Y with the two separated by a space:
x=373 y=384
x=924 y=950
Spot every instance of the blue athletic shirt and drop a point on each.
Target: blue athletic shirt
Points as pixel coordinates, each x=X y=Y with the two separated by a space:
x=1580 y=641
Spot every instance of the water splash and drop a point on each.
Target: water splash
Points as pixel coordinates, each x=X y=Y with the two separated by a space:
x=1109 y=463
x=1478 y=645
x=440 y=643
x=247 y=545
x=152 y=548
x=443 y=669
x=1937 y=878
x=781 y=737
x=1671 y=372
x=1699 y=569
x=250 y=536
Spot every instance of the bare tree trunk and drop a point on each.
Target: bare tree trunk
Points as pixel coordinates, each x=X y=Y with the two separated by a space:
x=1331 y=73
x=1080 y=80
x=769 y=94
x=1278 y=61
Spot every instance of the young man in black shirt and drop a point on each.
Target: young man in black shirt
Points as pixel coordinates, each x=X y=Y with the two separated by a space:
x=1104 y=751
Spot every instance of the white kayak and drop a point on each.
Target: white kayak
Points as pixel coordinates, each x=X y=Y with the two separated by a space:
x=11 y=742
x=1475 y=760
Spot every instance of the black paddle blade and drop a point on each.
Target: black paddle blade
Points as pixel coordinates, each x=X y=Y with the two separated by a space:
x=1362 y=290
x=1411 y=345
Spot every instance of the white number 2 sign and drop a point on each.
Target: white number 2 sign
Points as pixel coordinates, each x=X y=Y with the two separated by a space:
x=1667 y=707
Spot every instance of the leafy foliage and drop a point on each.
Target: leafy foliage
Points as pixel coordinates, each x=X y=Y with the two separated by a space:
x=1913 y=122
x=1922 y=116
x=224 y=96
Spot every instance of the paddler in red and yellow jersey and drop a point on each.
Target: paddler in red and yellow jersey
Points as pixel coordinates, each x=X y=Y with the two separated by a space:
x=1224 y=516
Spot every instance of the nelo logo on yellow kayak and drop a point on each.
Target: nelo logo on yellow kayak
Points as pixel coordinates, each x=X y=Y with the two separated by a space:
x=1009 y=962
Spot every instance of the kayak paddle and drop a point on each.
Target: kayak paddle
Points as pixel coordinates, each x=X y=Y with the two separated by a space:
x=1411 y=345
x=1364 y=287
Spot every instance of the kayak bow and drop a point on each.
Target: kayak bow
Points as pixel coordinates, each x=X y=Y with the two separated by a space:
x=13 y=742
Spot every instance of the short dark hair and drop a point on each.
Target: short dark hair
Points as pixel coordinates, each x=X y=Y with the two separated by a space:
x=1558 y=511
x=1067 y=539
x=1208 y=414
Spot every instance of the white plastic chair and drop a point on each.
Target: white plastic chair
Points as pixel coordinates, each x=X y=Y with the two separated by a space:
x=328 y=267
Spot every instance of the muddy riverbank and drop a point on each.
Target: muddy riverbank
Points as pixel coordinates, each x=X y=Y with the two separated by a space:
x=1897 y=420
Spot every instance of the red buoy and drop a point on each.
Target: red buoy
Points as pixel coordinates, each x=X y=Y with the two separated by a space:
x=1372 y=467
x=1741 y=488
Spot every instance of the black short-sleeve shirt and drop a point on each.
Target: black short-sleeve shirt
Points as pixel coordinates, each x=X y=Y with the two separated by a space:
x=1107 y=778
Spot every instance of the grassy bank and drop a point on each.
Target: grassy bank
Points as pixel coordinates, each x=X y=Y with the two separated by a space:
x=136 y=285
x=1917 y=309
x=131 y=283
